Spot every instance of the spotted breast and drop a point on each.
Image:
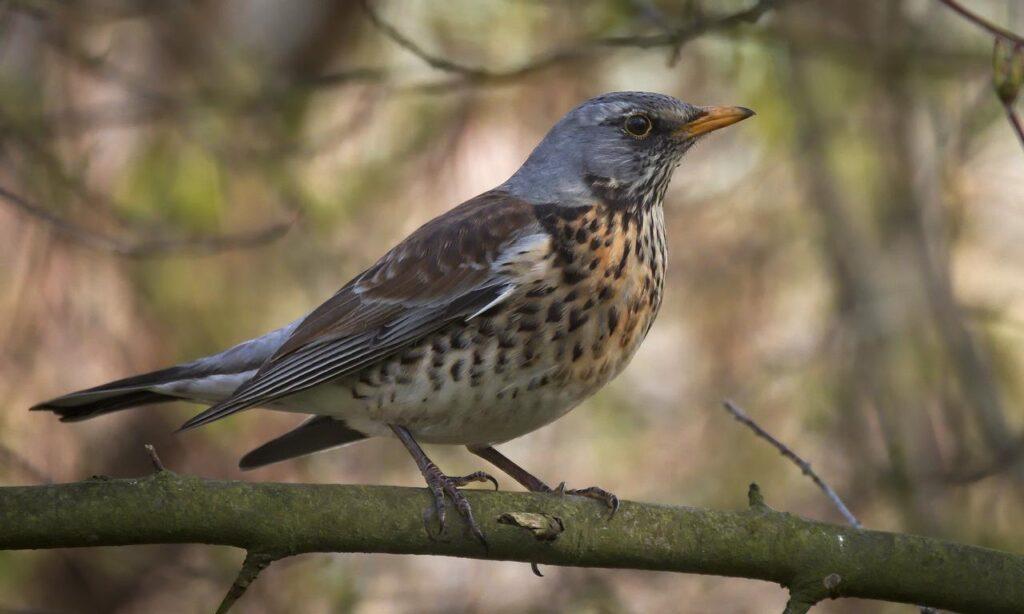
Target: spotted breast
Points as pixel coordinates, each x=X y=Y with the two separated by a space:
x=596 y=286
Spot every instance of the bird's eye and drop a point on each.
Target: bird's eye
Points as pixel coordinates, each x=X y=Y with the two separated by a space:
x=637 y=125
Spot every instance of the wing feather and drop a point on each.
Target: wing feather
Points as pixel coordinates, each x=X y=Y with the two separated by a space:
x=449 y=269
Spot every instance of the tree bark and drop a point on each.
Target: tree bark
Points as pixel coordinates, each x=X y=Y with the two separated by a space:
x=814 y=560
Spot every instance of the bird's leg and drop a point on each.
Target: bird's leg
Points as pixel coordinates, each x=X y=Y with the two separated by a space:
x=534 y=484
x=441 y=485
x=529 y=481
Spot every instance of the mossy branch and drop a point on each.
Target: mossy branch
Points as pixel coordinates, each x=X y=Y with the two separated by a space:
x=814 y=560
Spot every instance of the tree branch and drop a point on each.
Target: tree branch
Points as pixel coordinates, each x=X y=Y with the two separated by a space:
x=151 y=247
x=1008 y=63
x=983 y=23
x=254 y=563
x=796 y=604
x=814 y=560
x=465 y=75
x=805 y=467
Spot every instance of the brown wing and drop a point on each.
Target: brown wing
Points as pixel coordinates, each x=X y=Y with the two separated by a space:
x=448 y=269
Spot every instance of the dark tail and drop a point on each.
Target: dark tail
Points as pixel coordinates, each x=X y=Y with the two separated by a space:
x=115 y=396
x=316 y=434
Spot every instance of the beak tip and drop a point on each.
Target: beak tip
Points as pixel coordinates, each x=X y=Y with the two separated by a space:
x=713 y=118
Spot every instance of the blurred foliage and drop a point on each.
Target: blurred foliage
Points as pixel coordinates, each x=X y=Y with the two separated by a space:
x=846 y=266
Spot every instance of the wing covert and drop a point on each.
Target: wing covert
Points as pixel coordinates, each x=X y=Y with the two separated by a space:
x=454 y=266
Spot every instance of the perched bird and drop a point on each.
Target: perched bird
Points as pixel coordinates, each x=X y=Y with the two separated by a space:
x=486 y=323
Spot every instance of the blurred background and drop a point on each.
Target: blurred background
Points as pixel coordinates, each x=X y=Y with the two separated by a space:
x=848 y=266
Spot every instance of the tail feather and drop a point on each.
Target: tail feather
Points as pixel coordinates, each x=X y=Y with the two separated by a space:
x=316 y=434
x=114 y=396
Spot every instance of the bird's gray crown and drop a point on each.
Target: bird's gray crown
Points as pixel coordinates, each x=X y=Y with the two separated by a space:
x=591 y=149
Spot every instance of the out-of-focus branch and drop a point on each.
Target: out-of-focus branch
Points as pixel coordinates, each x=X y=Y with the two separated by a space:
x=16 y=461
x=1004 y=460
x=814 y=560
x=151 y=106
x=673 y=37
x=151 y=247
x=432 y=60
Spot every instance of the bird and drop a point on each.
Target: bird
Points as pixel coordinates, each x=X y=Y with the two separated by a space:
x=488 y=322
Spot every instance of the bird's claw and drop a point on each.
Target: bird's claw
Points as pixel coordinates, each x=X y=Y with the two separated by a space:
x=476 y=476
x=442 y=486
x=592 y=492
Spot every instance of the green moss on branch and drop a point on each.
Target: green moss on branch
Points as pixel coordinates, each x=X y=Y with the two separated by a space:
x=815 y=560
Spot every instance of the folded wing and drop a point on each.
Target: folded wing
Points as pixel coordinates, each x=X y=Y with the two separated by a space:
x=460 y=263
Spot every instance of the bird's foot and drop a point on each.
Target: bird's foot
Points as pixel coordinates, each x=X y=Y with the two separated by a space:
x=593 y=492
x=442 y=486
x=476 y=476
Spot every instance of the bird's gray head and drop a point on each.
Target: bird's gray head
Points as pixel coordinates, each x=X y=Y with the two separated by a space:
x=620 y=148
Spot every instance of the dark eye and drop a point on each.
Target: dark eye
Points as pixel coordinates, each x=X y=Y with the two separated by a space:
x=637 y=125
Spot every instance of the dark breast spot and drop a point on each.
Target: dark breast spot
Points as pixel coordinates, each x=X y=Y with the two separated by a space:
x=555 y=311
x=565 y=256
x=572 y=277
x=460 y=340
x=577 y=319
x=613 y=319
x=457 y=368
x=623 y=261
x=528 y=325
x=528 y=308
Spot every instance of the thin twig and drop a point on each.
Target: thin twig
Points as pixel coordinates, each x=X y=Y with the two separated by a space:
x=254 y=563
x=1002 y=35
x=796 y=603
x=432 y=60
x=1015 y=121
x=158 y=465
x=804 y=466
x=981 y=22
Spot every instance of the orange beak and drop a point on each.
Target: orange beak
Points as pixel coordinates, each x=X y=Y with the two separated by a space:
x=713 y=119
